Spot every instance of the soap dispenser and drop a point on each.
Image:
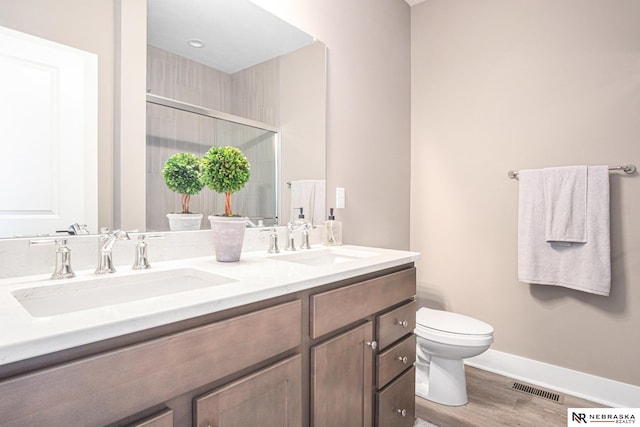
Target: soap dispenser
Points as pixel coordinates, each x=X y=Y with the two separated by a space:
x=300 y=219
x=332 y=232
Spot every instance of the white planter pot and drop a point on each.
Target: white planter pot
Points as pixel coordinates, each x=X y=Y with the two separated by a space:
x=184 y=222
x=228 y=236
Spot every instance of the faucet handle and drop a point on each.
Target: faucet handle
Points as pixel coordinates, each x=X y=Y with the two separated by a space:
x=63 y=268
x=76 y=229
x=42 y=242
x=63 y=261
x=141 y=261
x=273 y=240
x=305 y=236
x=120 y=234
x=153 y=236
x=291 y=245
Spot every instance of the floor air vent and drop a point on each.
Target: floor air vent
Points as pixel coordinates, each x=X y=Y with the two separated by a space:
x=538 y=392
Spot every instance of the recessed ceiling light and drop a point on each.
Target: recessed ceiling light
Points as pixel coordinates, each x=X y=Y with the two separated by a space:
x=195 y=43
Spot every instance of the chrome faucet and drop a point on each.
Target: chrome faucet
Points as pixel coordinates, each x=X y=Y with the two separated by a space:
x=63 y=261
x=305 y=235
x=107 y=240
x=273 y=240
x=141 y=261
x=63 y=268
x=291 y=234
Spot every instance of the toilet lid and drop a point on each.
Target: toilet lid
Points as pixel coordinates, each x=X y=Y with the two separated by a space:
x=454 y=323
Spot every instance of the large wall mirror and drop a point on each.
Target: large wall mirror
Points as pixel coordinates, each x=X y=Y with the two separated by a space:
x=227 y=72
x=284 y=90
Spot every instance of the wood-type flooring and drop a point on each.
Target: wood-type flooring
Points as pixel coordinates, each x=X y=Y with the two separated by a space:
x=493 y=403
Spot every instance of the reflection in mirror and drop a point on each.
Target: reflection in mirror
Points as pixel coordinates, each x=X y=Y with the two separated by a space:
x=253 y=66
x=174 y=127
x=49 y=132
x=298 y=78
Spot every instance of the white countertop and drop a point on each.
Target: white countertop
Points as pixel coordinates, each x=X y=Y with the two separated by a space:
x=258 y=276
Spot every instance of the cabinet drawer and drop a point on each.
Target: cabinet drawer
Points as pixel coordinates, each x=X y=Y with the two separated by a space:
x=269 y=397
x=101 y=389
x=395 y=324
x=339 y=307
x=397 y=402
x=396 y=359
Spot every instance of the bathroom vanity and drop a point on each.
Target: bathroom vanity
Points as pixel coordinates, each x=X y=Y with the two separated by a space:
x=322 y=337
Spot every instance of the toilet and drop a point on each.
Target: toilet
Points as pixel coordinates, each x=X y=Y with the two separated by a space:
x=444 y=339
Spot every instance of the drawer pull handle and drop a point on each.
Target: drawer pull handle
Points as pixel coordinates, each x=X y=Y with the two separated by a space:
x=372 y=344
x=403 y=359
x=401 y=412
x=402 y=323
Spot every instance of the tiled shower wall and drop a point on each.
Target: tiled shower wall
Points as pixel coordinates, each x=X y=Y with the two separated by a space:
x=252 y=93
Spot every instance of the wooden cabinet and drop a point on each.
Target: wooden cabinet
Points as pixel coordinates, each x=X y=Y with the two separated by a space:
x=397 y=407
x=396 y=323
x=342 y=379
x=340 y=307
x=269 y=397
x=340 y=354
x=395 y=359
x=113 y=385
x=355 y=376
x=395 y=397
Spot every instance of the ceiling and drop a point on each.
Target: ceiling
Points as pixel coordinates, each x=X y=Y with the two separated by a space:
x=236 y=33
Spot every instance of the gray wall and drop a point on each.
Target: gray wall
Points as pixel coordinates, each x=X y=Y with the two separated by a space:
x=499 y=85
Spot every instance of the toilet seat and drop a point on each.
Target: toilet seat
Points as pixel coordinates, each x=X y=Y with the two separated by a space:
x=452 y=328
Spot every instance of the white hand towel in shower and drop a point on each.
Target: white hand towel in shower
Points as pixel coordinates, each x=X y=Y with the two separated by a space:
x=319 y=203
x=309 y=194
x=585 y=267
x=565 y=202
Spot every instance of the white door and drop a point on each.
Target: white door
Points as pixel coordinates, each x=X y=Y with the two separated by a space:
x=48 y=136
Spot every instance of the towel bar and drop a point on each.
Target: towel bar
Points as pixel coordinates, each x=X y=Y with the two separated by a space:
x=628 y=169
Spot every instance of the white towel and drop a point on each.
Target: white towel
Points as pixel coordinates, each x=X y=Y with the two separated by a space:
x=319 y=203
x=565 y=201
x=308 y=194
x=585 y=267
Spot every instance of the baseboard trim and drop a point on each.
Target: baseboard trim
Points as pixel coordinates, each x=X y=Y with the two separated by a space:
x=585 y=386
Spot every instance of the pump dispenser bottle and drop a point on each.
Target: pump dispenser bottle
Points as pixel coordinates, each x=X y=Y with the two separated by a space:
x=332 y=232
x=300 y=219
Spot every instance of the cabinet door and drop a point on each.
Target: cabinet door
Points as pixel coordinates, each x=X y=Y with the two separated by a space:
x=269 y=397
x=342 y=379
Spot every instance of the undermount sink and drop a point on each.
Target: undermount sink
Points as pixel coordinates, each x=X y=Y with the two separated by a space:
x=324 y=257
x=102 y=291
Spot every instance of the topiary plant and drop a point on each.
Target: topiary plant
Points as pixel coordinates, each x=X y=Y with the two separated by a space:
x=182 y=174
x=225 y=170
